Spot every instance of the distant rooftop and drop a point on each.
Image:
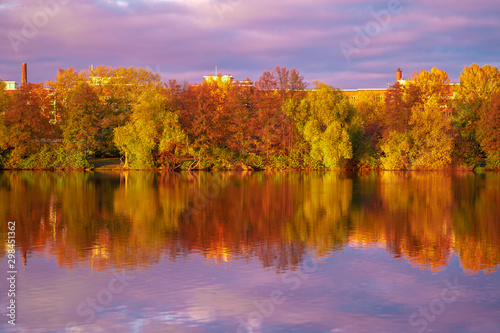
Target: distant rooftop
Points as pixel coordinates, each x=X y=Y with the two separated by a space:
x=10 y=85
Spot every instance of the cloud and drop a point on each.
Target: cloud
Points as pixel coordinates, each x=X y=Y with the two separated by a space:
x=187 y=38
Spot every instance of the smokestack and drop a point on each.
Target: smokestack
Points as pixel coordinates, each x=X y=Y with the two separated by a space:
x=25 y=74
x=399 y=74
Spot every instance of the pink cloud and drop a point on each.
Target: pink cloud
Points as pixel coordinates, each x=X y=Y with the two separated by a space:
x=191 y=36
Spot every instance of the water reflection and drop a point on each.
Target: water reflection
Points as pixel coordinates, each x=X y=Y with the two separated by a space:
x=134 y=219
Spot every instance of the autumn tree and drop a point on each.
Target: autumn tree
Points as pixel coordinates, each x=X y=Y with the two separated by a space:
x=81 y=119
x=267 y=81
x=432 y=137
x=26 y=128
x=241 y=111
x=478 y=86
x=174 y=141
x=205 y=118
x=285 y=81
x=3 y=130
x=152 y=128
x=371 y=108
x=268 y=120
x=271 y=127
x=330 y=126
x=296 y=81
x=273 y=122
x=397 y=109
x=116 y=90
x=217 y=115
x=3 y=97
x=137 y=139
x=431 y=122
x=488 y=131
x=60 y=90
x=419 y=133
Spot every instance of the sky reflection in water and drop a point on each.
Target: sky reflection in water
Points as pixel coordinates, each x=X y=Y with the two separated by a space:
x=261 y=252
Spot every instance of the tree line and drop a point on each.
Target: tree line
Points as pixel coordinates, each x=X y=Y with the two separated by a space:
x=424 y=123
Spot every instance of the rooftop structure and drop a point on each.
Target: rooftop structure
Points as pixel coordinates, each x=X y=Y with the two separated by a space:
x=10 y=85
x=214 y=78
x=24 y=79
x=353 y=93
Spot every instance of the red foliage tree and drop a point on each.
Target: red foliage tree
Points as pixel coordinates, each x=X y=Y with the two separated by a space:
x=27 y=121
x=488 y=128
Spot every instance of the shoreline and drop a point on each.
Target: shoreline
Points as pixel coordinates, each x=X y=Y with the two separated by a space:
x=114 y=164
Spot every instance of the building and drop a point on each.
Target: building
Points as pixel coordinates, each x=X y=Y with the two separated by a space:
x=215 y=78
x=353 y=93
x=10 y=85
x=245 y=83
x=448 y=90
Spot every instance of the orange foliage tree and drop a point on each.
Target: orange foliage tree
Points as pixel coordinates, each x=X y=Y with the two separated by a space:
x=26 y=126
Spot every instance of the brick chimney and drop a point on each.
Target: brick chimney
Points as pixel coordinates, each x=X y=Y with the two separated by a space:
x=399 y=74
x=24 y=80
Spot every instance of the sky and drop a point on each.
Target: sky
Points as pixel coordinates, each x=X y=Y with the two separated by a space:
x=347 y=44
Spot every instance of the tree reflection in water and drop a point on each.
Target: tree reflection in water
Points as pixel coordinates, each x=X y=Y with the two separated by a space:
x=137 y=218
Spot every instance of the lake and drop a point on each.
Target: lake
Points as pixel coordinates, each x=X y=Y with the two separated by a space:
x=252 y=252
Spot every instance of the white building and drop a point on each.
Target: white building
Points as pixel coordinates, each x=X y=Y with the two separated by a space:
x=10 y=85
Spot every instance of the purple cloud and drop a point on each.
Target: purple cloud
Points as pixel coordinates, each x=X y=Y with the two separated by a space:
x=185 y=39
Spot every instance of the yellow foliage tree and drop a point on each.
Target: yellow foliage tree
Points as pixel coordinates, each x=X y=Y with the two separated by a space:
x=427 y=143
x=330 y=125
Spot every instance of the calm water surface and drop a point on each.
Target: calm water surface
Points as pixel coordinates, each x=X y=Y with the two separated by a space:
x=253 y=252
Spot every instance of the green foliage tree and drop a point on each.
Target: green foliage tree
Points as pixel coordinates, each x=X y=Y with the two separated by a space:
x=473 y=96
x=114 y=89
x=152 y=128
x=330 y=124
x=119 y=88
x=371 y=108
x=173 y=137
x=138 y=138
